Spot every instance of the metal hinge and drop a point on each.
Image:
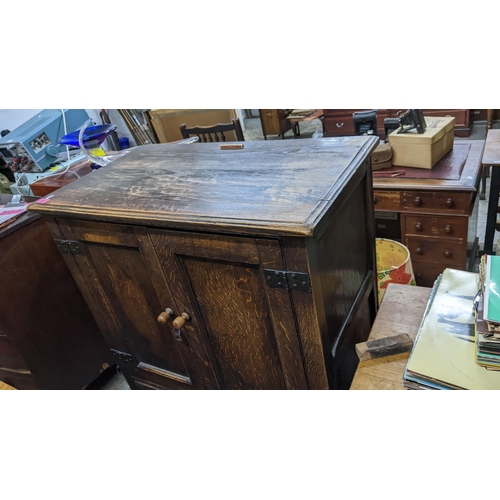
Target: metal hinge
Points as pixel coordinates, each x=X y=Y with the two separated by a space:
x=69 y=246
x=289 y=280
x=121 y=356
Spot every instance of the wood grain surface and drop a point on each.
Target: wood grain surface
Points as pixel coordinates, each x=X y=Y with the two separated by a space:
x=401 y=312
x=285 y=186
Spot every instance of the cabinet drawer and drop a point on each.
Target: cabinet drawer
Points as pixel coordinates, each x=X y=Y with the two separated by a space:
x=387 y=200
x=426 y=272
x=444 y=227
x=339 y=126
x=449 y=252
x=439 y=202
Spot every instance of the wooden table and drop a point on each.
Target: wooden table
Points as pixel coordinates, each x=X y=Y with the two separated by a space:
x=491 y=157
x=401 y=311
x=434 y=209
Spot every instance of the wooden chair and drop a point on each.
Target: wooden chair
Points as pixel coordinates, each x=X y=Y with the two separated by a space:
x=213 y=133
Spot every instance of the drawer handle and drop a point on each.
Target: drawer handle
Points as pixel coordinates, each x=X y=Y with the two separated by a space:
x=375 y=201
x=165 y=316
x=447 y=229
x=339 y=125
x=418 y=226
x=417 y=201
x=447 y=254
x=449 y=202
x=418 y=250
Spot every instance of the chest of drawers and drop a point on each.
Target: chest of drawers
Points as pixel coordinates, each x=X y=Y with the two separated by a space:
x=437 y=216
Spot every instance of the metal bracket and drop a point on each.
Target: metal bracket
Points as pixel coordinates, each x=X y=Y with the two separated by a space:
x=288 y=280
x=121 y=356
x=69 y=247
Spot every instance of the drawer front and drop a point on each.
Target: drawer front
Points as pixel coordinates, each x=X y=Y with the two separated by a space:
x=387 y=200
x=438 y=250
x=438 y=202
x=427 y=272
x=339 y=126
x=443 y=227
x=461 y=115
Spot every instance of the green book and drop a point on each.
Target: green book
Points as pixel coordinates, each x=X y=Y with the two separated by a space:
x=491 y=310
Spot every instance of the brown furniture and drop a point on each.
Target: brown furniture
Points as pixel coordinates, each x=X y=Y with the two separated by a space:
x=434 y=212
x=338 y=122
x=48 y=337
x=401 y=312
x=238 y=269
x=47 y=185
x=214 y=133
x=275 y=122
x=491 y=158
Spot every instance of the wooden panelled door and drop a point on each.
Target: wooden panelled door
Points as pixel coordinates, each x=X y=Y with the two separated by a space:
x=186 y=310
x=247 y=328
x=119 y=274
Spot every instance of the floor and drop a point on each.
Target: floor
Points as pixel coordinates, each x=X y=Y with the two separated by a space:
x=253 y=132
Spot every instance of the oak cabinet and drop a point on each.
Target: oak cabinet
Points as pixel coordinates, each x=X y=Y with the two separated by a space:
x=213 y=269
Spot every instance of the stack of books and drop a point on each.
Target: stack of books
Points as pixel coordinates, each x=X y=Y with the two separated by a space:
x=444 y=352
x=488 y=313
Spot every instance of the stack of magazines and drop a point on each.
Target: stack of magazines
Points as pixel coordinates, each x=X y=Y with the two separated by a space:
x=488 y=313
x=444 y=352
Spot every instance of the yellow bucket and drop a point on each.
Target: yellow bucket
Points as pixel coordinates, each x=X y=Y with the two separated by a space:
x=393 y=265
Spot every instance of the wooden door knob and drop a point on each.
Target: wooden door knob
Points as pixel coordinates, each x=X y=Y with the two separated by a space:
x=447 y=229
x=449 y=202
x=447 y=254
x=165 y=316
x=418 y=226
x=180 y=321
x=417 y=201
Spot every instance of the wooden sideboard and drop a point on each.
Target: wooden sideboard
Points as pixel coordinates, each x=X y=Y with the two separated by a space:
x=48 y=337
x=240 y=269
x=435 y=214
x=338 y=122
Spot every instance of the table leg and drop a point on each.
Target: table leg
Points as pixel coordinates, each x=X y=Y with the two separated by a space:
x=489 y=120
x=491 y=217
x=484 y=175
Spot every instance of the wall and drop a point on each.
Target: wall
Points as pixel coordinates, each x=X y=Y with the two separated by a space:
x=12 y=118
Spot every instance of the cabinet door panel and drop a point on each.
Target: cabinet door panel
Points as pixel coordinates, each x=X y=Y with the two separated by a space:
x=129 y=285
x=250 y=340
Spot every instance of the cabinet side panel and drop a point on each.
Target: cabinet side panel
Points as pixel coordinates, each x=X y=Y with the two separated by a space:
x=345 y=261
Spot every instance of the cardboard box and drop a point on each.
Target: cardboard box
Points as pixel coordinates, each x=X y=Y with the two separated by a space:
x=166 y=121
x=423 y=150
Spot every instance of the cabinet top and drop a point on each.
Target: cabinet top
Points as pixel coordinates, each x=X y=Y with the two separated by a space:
x=268 y=187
